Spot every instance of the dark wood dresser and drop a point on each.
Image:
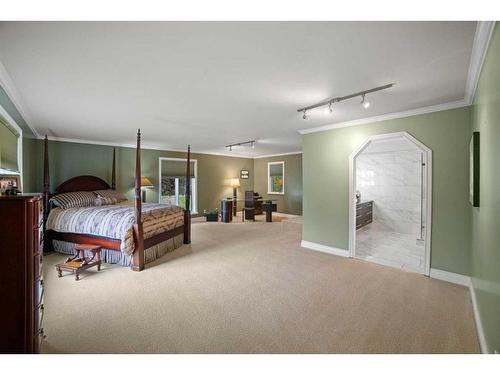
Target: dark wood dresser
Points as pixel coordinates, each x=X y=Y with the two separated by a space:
x=364 y=213
x=21 y=283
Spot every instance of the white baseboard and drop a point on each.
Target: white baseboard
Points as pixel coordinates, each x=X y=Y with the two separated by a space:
x=465 y=281
x=324 y=248
x=479 y=325
x=451 y=277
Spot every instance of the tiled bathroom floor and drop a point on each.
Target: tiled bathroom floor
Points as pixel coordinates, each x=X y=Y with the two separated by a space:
x=390 y=248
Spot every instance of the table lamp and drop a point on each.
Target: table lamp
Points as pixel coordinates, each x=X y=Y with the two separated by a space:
x=145 y=184
x=235 y=184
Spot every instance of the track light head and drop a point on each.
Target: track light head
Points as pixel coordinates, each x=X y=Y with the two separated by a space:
x=305 y=116
x=230 y=148
x=329 y=109
x=253 y=144
x=365 y=103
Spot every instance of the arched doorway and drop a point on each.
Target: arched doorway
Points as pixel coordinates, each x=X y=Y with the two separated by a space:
x=390 y=202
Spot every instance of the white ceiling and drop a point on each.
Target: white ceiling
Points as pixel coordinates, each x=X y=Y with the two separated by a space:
x=215 y=83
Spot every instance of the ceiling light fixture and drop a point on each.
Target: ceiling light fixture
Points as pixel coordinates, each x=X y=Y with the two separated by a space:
x=338 y=99
x=252 y=144
x=329 y=109
x=365 y=104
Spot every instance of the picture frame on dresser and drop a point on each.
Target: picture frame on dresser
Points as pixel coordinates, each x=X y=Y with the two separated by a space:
x=9 y=181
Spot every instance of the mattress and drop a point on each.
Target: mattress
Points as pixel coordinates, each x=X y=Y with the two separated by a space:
x=116 y=221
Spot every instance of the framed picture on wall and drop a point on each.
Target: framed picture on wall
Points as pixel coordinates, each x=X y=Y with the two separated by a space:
x=474 y=169
x=9 y=181
x=244 y=174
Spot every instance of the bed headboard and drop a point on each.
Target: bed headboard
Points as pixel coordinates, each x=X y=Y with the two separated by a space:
x=82 y=183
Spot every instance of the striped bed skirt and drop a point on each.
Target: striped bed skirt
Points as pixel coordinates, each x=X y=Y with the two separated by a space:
x=117 y=257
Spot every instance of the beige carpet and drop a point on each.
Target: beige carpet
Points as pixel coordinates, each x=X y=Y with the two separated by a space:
x=251 y=288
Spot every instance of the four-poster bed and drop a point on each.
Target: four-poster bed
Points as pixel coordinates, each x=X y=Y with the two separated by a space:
x=163 y=222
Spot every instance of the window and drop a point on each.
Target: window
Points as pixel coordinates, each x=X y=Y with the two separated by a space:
x=276 y=177
x=173 y=182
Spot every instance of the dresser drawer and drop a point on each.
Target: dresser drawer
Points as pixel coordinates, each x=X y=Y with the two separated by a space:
x=38 y=334
x=364 y=204
x=38 y=291
x=37 y=234
x=363 y=211
x=37 y=212
x=36 y=266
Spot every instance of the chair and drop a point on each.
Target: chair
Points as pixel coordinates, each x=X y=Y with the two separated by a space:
x=257 y=203
x=248 y=212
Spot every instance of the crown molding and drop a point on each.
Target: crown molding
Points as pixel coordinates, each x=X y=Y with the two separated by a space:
x=273 y=155
x=484 y=31
x=388 y=116
x=11 y=91
x=144 y=146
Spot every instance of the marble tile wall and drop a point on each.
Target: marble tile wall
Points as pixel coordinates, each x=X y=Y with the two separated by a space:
x=392 y=181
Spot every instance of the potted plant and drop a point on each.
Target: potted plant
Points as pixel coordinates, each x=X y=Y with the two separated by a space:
x=212 y=215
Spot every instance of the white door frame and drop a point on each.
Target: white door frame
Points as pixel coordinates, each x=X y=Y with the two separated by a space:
x=427 y=152
x=194 y=187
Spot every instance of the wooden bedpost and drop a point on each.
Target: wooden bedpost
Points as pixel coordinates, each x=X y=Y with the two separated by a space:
x=113 y=172
x=187 y=210
x=138 y=256
x=47 y=243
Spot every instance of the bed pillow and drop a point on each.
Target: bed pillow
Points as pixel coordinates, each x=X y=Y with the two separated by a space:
x=74 y=199
x=109 y=196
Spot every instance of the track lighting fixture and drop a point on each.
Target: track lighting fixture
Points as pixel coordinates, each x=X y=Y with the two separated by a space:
x=365 y=103
x=252 y=144
x=331 y=101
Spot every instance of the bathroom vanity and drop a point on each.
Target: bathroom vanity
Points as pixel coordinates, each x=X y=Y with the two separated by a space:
x=364 y=213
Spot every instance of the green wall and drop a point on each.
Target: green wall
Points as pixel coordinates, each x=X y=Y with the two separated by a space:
x=291 y=201
x=72 y=159
x=69 y=159
x=326 y=170
x=486 y=218
x=30 y=164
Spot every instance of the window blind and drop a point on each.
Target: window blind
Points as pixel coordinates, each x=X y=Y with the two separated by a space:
x=276 y=170
x=175 y=168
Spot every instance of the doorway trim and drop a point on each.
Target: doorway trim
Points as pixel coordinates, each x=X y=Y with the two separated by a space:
x=428 y=192
x=194 y=187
